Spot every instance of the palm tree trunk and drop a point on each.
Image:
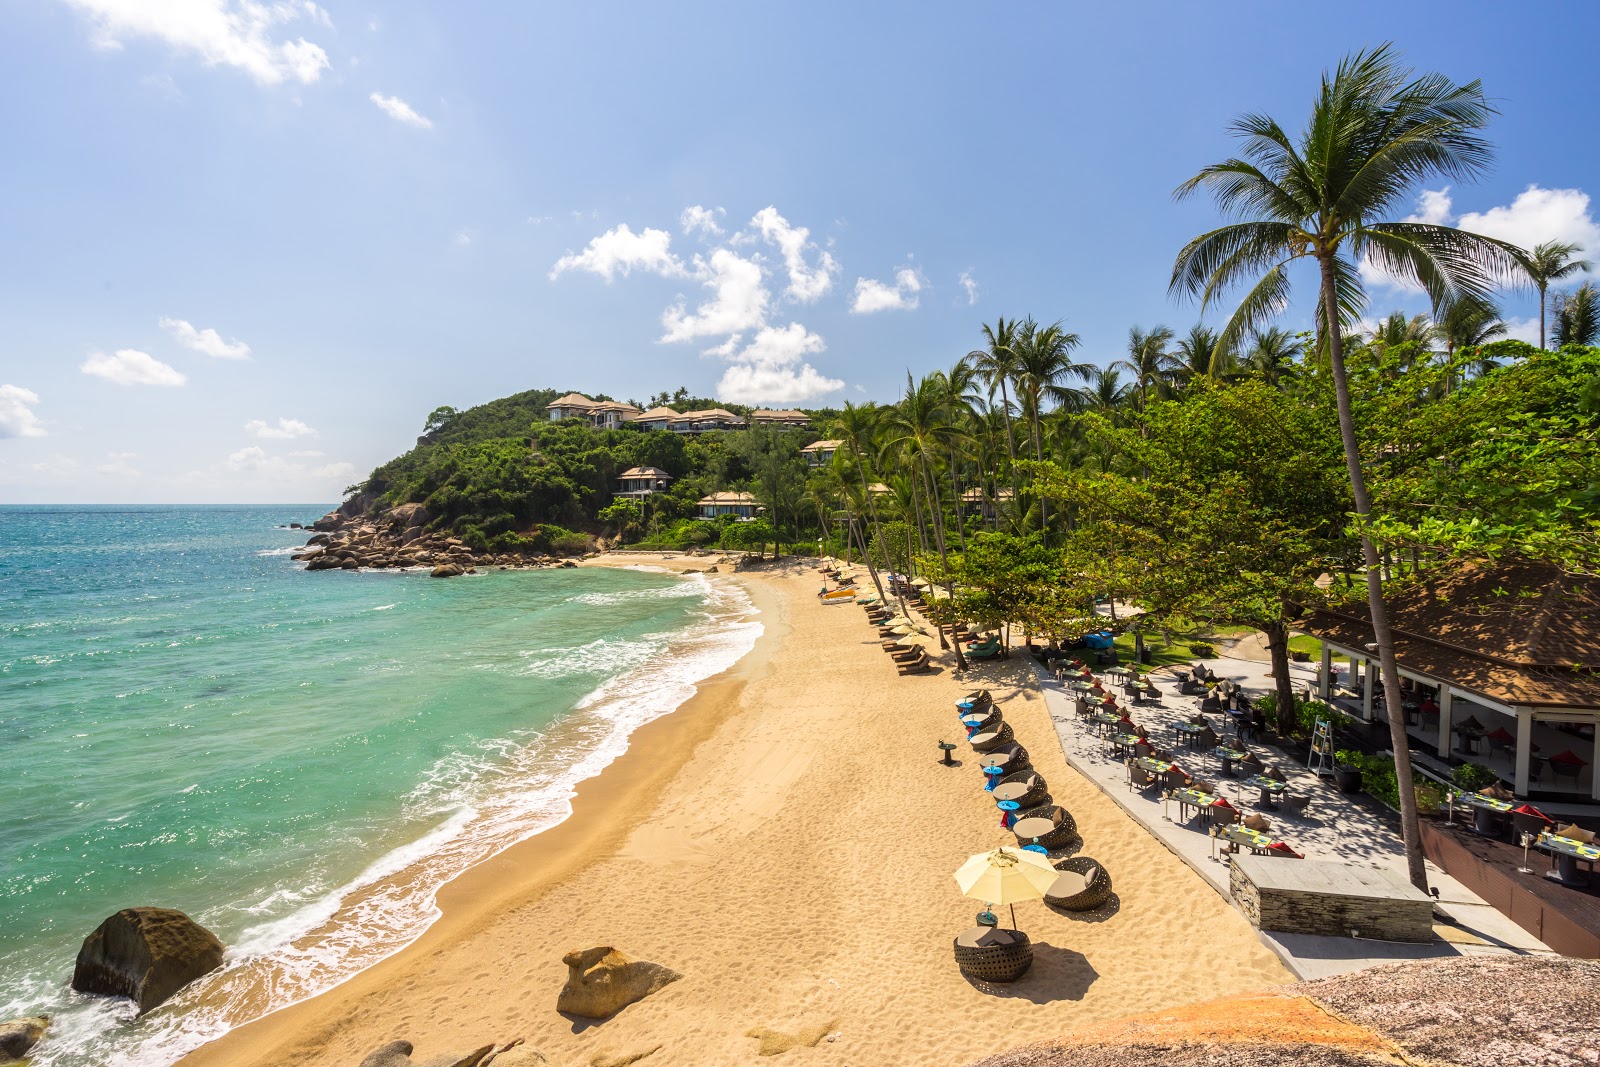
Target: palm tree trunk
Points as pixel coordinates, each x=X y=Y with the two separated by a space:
x=1011 y=444
x=955 y=490
x=944 y=560
x=1541 y=315
x=1381 y=631
x=1038 y=455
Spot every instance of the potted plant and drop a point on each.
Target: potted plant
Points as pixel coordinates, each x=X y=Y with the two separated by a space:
x=1202 y=649
x=1347 y=771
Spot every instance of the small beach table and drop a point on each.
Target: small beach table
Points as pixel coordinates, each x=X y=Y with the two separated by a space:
x=993 y=776
x=1008 y=811
x=1032 y=829
x=1011 y=791
x=1270 y=788
x=1486 y=812
x=1227 y=756
x=1188 y=731
x=1236 y=835
x=1567 y=853
x=1191 y=798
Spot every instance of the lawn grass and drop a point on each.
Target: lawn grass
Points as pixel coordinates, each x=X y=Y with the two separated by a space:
x=1178 y=652
x=1306 y=643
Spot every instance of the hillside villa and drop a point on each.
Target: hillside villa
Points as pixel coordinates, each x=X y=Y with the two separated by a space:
x=782 y=420
x=820 y=453
x=612 y=415
x=639 y=482
x=742 y=506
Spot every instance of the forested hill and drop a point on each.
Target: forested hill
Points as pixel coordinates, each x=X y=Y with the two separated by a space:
x=502 y=476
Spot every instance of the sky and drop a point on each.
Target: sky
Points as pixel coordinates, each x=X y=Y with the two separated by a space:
x=251 y=244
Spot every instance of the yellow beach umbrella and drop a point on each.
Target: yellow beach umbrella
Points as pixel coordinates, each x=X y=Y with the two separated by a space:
x=1006 y=876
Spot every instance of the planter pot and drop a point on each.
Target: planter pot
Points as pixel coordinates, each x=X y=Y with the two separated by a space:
x=1300 y=657
x=1347 y=779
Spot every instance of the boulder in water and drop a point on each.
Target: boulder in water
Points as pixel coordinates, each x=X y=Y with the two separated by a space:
x=147 y=954
x=447 y=570
x=601 y=981
x=19 y=1035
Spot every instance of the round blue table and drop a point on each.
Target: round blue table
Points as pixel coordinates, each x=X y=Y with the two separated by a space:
x=1036 y=848
x=1008 y=810
x=993 y=774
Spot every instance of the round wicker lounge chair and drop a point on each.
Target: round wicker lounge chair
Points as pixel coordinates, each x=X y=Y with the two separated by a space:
x=980 y=699
x=1004 y=958
x=994 y=738
x=1038 y=792
x=1092 y=895
x=985 y=721
x=1064 y=834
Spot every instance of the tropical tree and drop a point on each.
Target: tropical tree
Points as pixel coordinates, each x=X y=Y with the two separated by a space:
x=1044 y=363
x=1202 y=355
x=1148 y=363
x=1105 y=393
x=1375 y=132
x=1577 y=317
x=996 y=364
x=1550 y=262
x=1272 y=353
x=856 y=429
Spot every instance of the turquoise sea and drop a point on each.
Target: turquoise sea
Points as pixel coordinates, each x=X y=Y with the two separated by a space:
x=299 y=761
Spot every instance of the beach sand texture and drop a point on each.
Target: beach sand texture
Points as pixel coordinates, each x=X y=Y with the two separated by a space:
x=786 y=841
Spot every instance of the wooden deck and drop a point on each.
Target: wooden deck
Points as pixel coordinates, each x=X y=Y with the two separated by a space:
x=1566 y=919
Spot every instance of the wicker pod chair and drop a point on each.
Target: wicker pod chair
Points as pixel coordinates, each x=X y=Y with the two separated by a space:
x=1092 y=895
x=1019 y=759
x=998 y=737
x=980 y=699
x=1063 y=834
x=985 y=720
x=1038 y=791
x=996 y=963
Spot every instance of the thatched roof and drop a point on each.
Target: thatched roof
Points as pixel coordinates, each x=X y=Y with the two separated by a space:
x=1517 y=633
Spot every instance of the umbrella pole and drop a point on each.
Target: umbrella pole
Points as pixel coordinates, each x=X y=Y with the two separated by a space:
x=1013 y=916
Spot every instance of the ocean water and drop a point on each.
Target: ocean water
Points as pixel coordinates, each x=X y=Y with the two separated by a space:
x=298 y=761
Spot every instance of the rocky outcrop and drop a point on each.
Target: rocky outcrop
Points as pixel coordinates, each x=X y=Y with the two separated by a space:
x=19 y=1035
x=1469 y=1011
x=513 y=1054
x=398 y=539
x=147 y=954
x=601 y=981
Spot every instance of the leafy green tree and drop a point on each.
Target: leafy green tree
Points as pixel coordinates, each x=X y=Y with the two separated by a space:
x=439 y=418
x=1044 y=365
x=779 y=475
x=1551 y=262
x=1375 y=132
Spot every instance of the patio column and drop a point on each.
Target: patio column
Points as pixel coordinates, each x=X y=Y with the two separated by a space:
x=1524 y=749
x=1325 y=674
x=1366 y=689
x=1447 y=699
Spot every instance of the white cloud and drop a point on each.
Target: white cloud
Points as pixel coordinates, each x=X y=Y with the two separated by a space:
x=129 y=366
x=207 y=342
x=969 y=285
x=255 y=461
x=697 y=219
x=119 y=465
x=17 y=418
x=738 y=300
x=401 y=111
x=462 y=239
x=307 y=453
x=770 y=369
x=1523 y=329
x=230 y=33
x=283 y=430
x=872 y=295
x=806 y=283
x=58 y=466
x=621 y=251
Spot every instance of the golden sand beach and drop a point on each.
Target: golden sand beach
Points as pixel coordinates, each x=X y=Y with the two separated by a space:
x=786 y=840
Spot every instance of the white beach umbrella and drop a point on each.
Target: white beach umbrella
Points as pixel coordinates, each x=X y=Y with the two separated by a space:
x=1006 y=876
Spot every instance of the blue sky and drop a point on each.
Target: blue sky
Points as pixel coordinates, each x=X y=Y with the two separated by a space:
x=251 y=245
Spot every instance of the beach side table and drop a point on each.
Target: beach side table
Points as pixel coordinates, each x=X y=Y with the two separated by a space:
x=1008 y=811
x=946 y=748
x=993 y=774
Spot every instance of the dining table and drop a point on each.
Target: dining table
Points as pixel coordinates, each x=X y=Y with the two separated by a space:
x=1567 y=853
x=1189 y=797
x=1228 y=756
x=1488 y=813
x=1235 y=835
x=1270 y=789
x=1188 y=731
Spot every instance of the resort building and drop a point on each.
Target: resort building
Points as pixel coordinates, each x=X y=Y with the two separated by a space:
x=975 y=502
x=783 y=420
x=601 y=414
x=742 y=506
x=657 y=419
x=707 y=421
x=1497 y=667
x=637 y=483
x=819 y=453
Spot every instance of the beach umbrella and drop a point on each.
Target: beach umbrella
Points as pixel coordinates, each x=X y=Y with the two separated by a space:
x=1006 y=876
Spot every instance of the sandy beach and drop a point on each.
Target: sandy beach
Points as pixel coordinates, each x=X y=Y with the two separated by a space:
x=785 y=840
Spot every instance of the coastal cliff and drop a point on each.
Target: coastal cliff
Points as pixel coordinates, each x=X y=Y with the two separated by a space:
x=399 y=538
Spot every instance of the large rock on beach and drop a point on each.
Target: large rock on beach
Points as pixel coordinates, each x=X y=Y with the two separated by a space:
x=19 y=1035
x=398 y=1054
x=447 y=570
x=601 y=981
x=147 y=954
x=408 y=516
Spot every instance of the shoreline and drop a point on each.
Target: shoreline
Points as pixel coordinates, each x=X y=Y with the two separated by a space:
x=522 y=872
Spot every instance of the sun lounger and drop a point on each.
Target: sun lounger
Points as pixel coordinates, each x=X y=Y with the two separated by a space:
x=916 y=666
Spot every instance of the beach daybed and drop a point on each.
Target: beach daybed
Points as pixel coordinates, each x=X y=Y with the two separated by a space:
x=1088 y=890
x=914 y=666
x=989 y=954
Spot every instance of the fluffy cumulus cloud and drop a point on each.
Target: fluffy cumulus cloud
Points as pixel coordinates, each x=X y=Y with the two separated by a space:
x=807 y=283
x=697 y=219
x=1535 y=216
x=17 y=417
x=282 y=430
x=207 y=342
x=129 y=366
x=872 y=295
x=248 y=35
x=255 y=462
x=401 y=111
x=621 y=251
x=738 y=282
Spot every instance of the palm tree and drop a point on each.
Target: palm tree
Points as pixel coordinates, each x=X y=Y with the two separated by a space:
x=1550 y=262
x=1577 y=317
x=961 y=402
x=1397 y=330
x=1106 y=393
x=1374 y=134
x=1149 y=363
x=1202 y=354
x=1272 y=354
x=1044 y=361
x=1469 y=324
x=996 y=364
x=856 y=428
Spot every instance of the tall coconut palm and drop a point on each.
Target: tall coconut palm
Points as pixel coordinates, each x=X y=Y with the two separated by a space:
x=1044 y=363
x=1203 y=354
x=1105 y=393
x=1397 y=330
x=1551 y=262
x=1469 y=324
x=1148 y=363
x=1374 y=134
x=1272 y=353
x=961 y=402
x=996 y=363
x=1577 y=317
x=856 y=430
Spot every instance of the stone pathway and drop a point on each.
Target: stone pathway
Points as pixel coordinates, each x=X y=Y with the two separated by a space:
x=1333 y=828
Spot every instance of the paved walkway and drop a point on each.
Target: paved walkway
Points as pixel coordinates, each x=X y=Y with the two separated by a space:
x=1333 y=828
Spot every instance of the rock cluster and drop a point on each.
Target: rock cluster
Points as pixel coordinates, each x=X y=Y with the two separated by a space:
x=147 y=954
x=17 y=1036
x=399 y=538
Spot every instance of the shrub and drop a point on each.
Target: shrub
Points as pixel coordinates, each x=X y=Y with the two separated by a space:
x=1202 y=650
x=1471 y=777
